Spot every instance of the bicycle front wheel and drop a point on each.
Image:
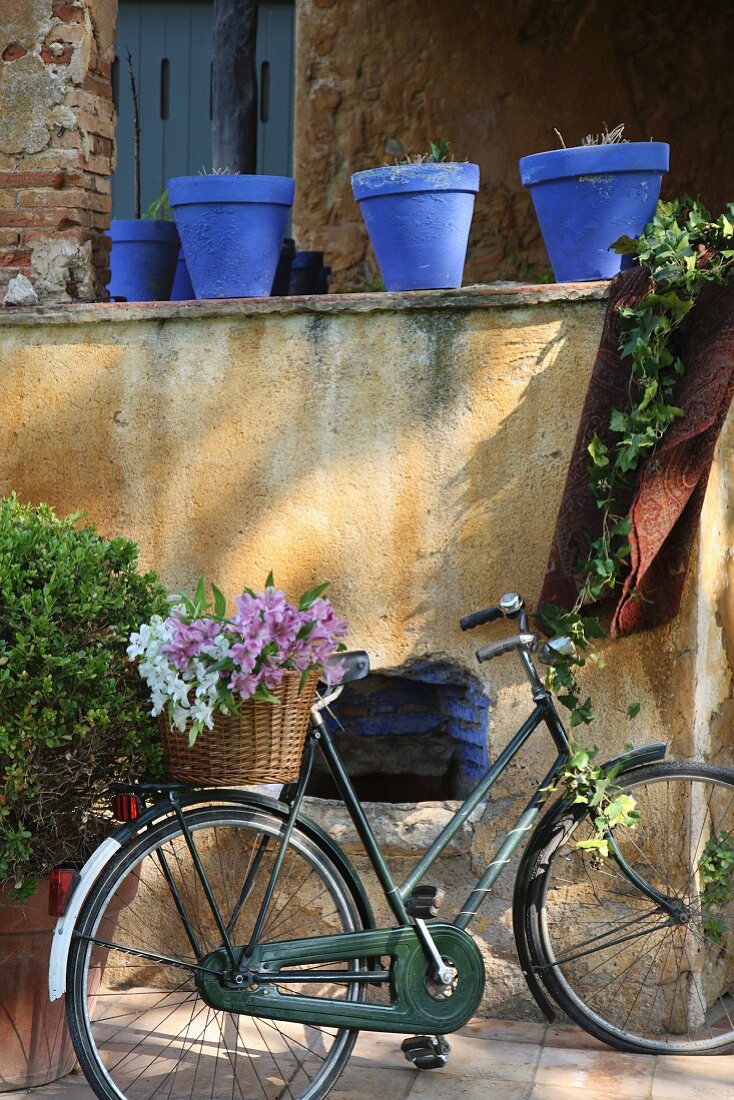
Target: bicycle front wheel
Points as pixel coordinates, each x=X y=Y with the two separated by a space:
x=620 y=964
x=139 y=1026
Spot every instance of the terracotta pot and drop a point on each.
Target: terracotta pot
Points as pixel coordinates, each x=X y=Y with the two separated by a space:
x=35 y=1044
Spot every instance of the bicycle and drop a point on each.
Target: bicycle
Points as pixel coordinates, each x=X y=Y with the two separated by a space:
x=221 y=944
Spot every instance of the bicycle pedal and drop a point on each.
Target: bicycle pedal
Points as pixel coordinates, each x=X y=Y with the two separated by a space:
x=425 y=902
x=426 y=1051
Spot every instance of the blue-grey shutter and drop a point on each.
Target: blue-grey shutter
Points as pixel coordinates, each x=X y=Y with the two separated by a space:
x=178 y=33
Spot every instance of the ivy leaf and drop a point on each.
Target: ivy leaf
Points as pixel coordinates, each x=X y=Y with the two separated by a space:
x=625 y=246
x=671 y=301
x=598 y=451
x=619 y=421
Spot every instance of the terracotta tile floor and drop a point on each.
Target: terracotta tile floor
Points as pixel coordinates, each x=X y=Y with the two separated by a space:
x=504 y=1060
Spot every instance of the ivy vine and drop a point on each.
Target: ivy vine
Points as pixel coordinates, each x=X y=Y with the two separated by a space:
x=716 y=868
x=590 y=784
x=684 y=248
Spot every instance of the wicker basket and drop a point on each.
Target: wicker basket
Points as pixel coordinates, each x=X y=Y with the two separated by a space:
x=263 y=744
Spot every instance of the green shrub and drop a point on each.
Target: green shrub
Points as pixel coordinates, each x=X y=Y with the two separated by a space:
x=74 y=714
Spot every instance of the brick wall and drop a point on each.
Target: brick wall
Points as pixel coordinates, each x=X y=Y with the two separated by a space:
x=56 y=145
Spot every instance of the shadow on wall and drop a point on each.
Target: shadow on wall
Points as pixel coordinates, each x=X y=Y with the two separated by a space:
x=319 y=447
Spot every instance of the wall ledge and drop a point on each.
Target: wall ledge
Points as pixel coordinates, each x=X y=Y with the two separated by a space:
x=489 y=296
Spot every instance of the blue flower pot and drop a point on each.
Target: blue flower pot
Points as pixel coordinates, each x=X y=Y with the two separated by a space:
x=232 y=230
x=182 y=290
x=586 y=198
x=418 y=217
x=142 y=260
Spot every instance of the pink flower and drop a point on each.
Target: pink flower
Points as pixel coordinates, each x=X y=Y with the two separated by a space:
x=334 y=672
x=243 y=684
x=272 y=677
x=189 y=639
x=244 y=654
x=266 y=637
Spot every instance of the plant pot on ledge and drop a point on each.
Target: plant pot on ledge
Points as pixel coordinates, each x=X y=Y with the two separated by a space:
x=418 y=217
x=232 y=229
x=143 y=259
x=587 y=197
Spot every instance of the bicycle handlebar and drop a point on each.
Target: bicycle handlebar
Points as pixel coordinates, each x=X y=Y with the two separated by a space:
x=511 y=606
x=515 y=641
x=478 y=618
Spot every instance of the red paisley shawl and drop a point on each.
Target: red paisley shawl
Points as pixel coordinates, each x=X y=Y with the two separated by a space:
x=666 y=503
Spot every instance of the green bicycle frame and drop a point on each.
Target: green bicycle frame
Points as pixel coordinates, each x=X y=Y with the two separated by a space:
x=544 y=712
x=248 y=978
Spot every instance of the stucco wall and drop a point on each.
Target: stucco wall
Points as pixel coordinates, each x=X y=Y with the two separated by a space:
x=495 y=77
x=412 y=449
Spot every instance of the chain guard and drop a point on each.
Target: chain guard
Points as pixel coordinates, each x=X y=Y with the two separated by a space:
x=416 y=1004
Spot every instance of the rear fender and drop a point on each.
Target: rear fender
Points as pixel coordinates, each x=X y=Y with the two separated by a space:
x=65 y=924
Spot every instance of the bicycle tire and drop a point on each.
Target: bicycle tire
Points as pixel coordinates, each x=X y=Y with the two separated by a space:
x=603 y=949
x=139 y=1027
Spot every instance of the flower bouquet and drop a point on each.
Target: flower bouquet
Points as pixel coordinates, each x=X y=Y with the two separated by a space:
x=241 y=687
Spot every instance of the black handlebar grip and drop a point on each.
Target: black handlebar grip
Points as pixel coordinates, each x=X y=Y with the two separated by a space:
x=496 y=649
x=478 y=618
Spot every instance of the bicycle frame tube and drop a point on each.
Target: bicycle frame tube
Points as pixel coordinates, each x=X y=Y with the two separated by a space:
x=544 y=713
x=346 y=790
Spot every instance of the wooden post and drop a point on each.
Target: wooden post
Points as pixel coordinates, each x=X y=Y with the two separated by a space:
x=234 y=86
x=136 y=133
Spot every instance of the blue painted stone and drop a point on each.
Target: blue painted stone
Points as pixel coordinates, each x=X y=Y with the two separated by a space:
x=459 y=710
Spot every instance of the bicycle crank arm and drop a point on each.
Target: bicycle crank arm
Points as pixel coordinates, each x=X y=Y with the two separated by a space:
x=418 y=1004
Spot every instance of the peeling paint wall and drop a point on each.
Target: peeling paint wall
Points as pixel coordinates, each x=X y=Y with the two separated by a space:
x=411 y=450
x=56 y=145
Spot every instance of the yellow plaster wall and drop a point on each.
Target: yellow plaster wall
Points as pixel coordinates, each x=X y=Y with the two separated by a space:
x=413 y=454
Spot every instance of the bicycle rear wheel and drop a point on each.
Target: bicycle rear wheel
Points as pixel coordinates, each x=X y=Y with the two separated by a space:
x=139 y=1026
x=617 y=962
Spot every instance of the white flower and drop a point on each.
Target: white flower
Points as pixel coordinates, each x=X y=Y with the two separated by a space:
x=203 y=712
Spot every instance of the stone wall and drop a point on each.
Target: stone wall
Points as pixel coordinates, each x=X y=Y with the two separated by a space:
x=412 y=449
x=56 y=145
x=495 y=77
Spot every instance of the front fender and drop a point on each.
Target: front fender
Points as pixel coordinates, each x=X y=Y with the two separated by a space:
x=629 y=760
x=91 y=870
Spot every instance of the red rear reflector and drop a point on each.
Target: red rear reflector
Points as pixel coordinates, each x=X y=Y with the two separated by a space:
x=60 y=888
x=127 y=807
